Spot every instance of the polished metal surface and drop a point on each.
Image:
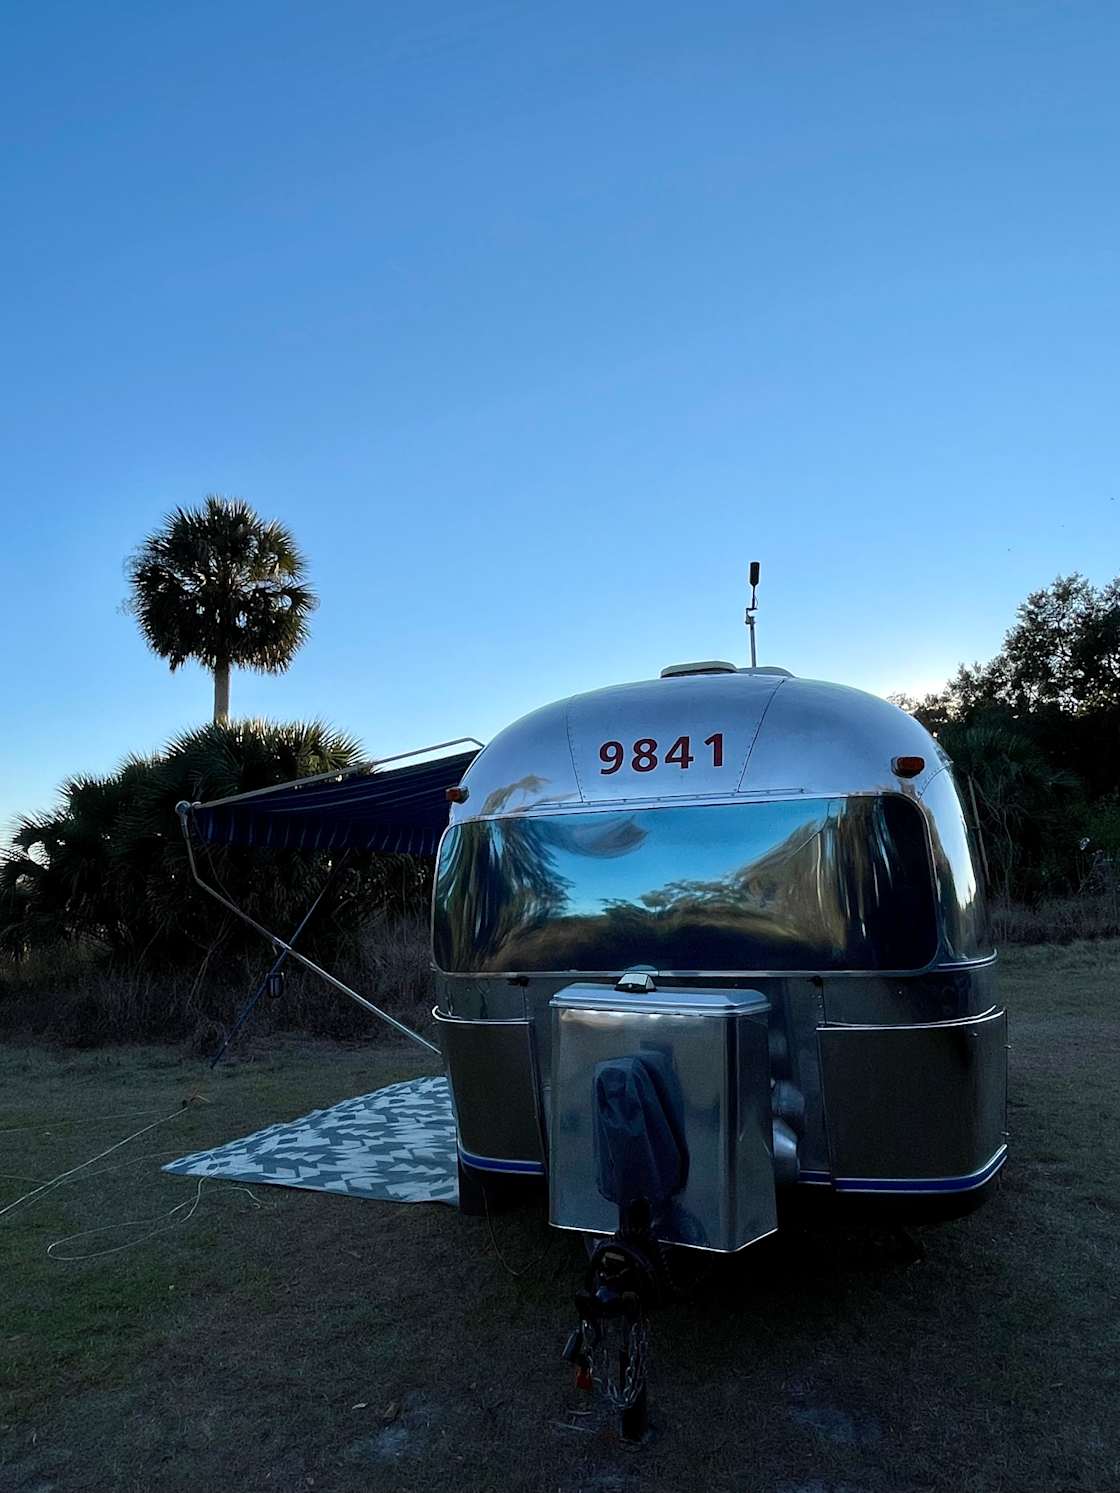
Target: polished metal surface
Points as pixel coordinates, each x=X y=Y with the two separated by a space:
x=780 y=736
x=716 y=1042
x=491 y=1071
x=482 y=998
x=823 y=738
x=598 y=838
x=787 y=1164
x=799 y=1007
x=637 y=982
x=966 y=931
x=793 y=884
x=703 y=666
x=788 y=1103
x=945 y=993
x=914 y=1102
x=773 y=739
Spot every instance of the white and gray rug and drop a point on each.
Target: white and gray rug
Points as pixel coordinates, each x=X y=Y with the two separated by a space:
x=397 y=1143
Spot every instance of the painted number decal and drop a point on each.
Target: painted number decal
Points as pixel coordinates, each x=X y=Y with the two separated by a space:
x=644 y=754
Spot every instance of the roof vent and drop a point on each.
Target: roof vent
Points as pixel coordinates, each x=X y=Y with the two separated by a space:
x=768 y=669
x=708 y=666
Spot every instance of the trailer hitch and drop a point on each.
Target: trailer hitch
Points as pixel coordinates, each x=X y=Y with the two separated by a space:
x=610 y=1347
x=641 y=1162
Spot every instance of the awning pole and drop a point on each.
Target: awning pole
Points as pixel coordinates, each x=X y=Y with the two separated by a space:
x=276 y=967
x=183 y=810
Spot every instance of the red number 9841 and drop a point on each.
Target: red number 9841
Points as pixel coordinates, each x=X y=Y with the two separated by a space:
x=644 y=754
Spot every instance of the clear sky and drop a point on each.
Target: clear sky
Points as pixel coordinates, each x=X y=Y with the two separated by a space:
x=537 y=322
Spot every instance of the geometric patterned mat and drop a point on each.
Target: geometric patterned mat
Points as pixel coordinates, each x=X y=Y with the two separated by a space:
x=398 y=1144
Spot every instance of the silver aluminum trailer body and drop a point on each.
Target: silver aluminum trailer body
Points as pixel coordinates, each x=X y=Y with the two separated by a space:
x=781 y=874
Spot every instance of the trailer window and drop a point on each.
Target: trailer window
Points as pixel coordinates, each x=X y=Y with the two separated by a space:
x=810 y=884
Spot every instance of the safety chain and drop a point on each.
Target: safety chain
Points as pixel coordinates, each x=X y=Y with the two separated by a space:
x=604 y=1355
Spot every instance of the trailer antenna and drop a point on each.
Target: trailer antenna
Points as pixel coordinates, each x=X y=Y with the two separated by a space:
x=752 y=608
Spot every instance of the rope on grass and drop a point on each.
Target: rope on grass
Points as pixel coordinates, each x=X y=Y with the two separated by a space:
x=47 y=1125
x=114 y=1166
x=62 y=1176
x=533 y=1265
x=190 y=1204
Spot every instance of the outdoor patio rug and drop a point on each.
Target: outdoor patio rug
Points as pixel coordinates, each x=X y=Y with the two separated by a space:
x=397 y=1144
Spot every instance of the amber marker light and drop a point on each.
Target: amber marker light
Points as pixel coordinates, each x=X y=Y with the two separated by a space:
x=457 y=795
x=907 y=767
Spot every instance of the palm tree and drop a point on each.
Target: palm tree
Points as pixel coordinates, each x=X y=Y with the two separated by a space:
x=225 y=587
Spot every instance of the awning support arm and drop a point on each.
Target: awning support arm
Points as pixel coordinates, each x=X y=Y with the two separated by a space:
x=277 y=965
x=183 y=810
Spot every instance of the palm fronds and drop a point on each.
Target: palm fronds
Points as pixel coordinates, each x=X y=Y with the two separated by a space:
x=107 y=868
x=220 y=585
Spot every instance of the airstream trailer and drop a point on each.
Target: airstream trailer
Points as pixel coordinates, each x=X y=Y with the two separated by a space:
x=702 y=944
x=767 y=884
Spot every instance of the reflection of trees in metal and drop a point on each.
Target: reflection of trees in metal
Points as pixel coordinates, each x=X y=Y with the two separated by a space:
x=777 y=898
x=846 y=886
x=604 y=836
x=496 y=878
x=956 y=855
x=499 y=884
x=499 y=799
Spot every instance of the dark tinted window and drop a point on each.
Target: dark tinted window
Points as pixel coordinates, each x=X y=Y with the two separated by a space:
x=812 y=884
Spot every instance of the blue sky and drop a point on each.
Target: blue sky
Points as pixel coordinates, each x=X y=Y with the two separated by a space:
x=537 y=323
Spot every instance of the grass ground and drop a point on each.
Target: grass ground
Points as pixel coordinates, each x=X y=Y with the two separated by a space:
x=320 y=1342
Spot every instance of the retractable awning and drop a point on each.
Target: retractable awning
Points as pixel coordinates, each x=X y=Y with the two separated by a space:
x=373 y=807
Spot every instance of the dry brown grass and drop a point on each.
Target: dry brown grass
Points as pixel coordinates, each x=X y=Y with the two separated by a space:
x=71 y=997
x=1058 y=920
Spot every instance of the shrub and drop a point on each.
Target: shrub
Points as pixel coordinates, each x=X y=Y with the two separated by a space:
x=1058 y=920
x=81 y=1000
x=99 y=913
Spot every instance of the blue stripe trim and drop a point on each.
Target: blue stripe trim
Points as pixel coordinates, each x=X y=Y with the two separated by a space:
x=842 y=1184
x=499 y=1164
x=924 y=1184
x=815 y=1179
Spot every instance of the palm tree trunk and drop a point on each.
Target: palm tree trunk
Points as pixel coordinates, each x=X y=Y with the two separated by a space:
x=221 y=694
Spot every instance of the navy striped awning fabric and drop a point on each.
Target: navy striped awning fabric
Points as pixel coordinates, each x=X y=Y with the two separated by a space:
x=394 y=809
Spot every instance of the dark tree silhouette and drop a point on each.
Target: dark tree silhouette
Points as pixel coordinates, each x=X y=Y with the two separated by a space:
x=225 y=587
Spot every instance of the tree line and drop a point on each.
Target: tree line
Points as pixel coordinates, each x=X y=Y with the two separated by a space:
x=1033 y=732
x=104 y=871
x=1036 y=731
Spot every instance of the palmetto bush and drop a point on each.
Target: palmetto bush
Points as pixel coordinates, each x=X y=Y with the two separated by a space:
x=103 y=879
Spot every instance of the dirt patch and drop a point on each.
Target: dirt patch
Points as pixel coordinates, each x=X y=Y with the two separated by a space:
x=411 y=1429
